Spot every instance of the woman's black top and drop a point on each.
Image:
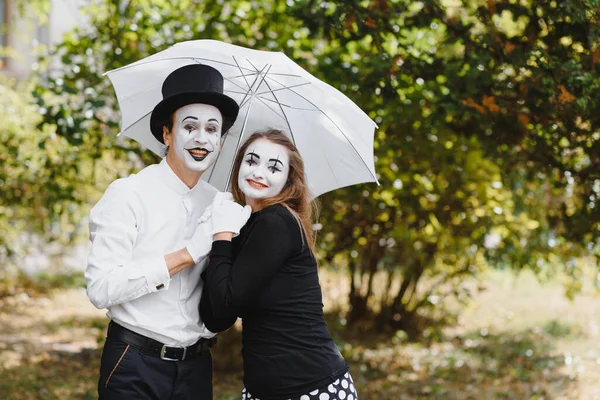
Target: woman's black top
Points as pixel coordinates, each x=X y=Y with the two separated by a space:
x=268 y=276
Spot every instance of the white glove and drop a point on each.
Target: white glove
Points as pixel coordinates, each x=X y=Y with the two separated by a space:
x=227 y=215
x=206 y=215
x=208 y=212
x=200 y=243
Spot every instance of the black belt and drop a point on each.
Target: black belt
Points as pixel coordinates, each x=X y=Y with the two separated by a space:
x=156 y=348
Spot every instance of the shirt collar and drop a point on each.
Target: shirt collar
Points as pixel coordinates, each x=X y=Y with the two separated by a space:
x=172 y=180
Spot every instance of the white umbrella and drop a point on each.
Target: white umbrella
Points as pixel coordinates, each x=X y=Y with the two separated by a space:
x=334 y=136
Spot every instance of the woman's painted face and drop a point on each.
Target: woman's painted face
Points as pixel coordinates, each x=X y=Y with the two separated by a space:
x=196 y=136
x=264 y=170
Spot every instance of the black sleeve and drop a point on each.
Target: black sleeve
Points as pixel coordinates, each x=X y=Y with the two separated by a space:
x=211 y=322
x=235 y=283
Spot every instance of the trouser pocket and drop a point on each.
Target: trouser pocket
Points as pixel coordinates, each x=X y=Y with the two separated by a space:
x=113 y=360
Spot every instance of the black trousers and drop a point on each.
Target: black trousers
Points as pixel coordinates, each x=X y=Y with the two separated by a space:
x=127 y=373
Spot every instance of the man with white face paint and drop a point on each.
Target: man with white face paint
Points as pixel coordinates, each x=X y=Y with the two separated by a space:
x=196 y=137
x=148 y=249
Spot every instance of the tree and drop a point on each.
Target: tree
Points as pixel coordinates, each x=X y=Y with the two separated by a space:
x=509 y=84
x=46 y=180
x=41 y=186
x=485 y=149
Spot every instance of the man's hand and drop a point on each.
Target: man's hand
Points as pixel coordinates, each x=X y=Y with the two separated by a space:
x=227 y=215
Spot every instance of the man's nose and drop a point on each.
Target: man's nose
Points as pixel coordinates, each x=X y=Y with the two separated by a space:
x=201 y=136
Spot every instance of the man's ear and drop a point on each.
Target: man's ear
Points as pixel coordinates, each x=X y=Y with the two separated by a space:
x=165 y=135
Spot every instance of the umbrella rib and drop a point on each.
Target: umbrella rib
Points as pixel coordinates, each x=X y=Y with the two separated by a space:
x=284 y=88
x=257 y=71
x=265 y=76
x=287 y=105
x=258 y=74
x=262 y=100
x=339 y=129
x=254 y=66
x=245 y=80
x=272 y=109
x=135 y=122
x=283 y=112
x=233 y=91
x=239 y=86
x=250 y=88
x=337 y=182
x=274 y=73
x=288 y=75
x=245 y=100
x=243 y=75
x=245 y=90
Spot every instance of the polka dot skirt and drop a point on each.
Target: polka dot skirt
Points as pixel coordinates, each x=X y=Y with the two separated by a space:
x=341 y=389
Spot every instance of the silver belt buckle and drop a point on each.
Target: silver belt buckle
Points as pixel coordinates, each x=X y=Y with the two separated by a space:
x=163 y=351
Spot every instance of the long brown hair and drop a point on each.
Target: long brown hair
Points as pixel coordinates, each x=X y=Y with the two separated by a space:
x=294 y=195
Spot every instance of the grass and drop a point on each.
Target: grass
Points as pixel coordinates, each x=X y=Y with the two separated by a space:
x=517 y=340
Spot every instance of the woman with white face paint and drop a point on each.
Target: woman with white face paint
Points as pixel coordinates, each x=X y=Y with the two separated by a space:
x=268 y=276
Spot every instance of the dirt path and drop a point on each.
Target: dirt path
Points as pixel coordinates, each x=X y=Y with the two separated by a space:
x=32 y=326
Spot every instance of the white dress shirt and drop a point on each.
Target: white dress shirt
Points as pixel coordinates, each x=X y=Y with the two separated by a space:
x=139 y=220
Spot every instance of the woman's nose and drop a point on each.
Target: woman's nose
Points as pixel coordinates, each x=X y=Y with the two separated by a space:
x=258 y=174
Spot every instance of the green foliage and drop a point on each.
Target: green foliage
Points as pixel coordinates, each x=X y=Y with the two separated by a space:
x=487 y=131
x=39 y=174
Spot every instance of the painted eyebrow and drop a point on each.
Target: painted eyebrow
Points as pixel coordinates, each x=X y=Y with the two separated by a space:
x=254 y=155
x=196 y=119
x=276 y=161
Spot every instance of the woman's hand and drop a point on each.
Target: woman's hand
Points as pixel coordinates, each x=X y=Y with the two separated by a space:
x=227 y=215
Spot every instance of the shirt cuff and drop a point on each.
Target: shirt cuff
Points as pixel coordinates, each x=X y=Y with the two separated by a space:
x=156 y=272
x=222 y=248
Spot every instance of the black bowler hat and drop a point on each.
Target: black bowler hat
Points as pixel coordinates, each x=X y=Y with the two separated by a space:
x=195 y=83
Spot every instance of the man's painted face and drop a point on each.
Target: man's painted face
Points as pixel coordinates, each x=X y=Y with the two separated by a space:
x=196 y=135
x=264 y=170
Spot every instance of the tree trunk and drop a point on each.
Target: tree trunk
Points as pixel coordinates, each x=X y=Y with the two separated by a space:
x=359 y=298
x=357 y=301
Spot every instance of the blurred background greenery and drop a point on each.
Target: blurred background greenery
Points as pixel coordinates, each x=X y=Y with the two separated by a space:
x=488 y=154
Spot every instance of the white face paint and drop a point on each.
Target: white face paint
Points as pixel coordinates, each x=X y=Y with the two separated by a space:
x=195 y=139
x=264 y=170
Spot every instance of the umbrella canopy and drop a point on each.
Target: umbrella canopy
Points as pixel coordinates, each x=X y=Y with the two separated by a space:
x=333 y=135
